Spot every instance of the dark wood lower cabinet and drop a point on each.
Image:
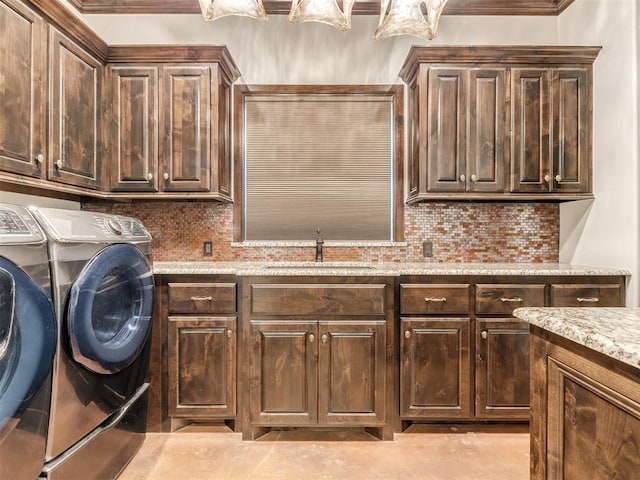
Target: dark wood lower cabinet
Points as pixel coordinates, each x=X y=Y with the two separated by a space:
x=435 y=368
x=321 y=354
x=202 y=367
x=502 y=369
x=586 y=413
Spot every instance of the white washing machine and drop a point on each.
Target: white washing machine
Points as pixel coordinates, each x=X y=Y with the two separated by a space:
x=103 y=293
x=27 y=344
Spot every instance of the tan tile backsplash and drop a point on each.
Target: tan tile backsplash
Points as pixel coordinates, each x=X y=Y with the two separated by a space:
x=460 y=232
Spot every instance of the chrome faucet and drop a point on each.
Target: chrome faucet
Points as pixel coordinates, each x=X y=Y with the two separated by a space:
x=319 y=243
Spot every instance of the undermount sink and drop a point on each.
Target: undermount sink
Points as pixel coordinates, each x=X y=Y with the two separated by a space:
x=321 y=265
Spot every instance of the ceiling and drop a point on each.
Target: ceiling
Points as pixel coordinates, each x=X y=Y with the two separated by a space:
x=361 y=7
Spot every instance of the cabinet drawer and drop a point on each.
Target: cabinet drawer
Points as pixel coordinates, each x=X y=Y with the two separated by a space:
x=438 y=299
x=322 y=299
x=503 y=299
x=608 y=295
x=202 y=297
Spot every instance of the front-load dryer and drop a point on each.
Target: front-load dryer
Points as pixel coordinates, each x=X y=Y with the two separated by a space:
x=27 y=344
x=103 y=293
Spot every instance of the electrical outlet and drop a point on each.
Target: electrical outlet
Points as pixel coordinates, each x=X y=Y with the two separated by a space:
x=207 y=248
x=427 y=249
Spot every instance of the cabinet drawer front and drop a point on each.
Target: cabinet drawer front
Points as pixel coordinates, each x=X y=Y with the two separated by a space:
x=425 y=299
x=292 y=299
x=503 y=299
x=202 y=297
x=608 y=295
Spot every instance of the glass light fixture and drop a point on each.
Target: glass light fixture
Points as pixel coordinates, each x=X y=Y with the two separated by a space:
x=214 y=9
x=324 y=11
x=409 y=17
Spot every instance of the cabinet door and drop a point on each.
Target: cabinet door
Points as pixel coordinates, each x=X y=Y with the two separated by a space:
x=284 y=373
x=76 y=80
x=571 y=133
x=185 y=108
x=502 y=369
x=23 y=70
x=486 y=162
x=221 y=135
x=435 y=366
x=202 y=367
x=446 y=130
x=352 y=373
x=530 y=171
x=134 y=131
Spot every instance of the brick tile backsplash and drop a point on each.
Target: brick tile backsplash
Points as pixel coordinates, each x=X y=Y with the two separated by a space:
x=460 y=232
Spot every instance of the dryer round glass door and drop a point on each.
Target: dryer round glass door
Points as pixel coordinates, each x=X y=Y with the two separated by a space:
x=110 y=306
x=27 y=342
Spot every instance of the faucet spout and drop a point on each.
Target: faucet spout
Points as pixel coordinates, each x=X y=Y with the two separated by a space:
x=319 y=243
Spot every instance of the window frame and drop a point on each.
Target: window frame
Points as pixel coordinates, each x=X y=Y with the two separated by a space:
x=395 y=92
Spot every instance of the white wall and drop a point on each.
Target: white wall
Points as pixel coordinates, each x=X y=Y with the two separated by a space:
x=605 y=231
x=278 y=52
x=32 y=200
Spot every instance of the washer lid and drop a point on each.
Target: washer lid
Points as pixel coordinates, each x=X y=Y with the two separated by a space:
x=90 y=227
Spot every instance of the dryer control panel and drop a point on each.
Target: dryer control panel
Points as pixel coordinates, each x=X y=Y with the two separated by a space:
x=18 y=226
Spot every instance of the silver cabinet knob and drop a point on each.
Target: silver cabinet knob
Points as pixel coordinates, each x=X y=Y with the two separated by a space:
x=39 y=158
x=463 y=178
x=150 y=176
x=474 y=178
x=407 y=334
x=312 y=338
x=58 y=164
x=325 y=338
x=547 y=178
x=558 y=178
x=165 y=176
x=229 y=333
x=484 y=334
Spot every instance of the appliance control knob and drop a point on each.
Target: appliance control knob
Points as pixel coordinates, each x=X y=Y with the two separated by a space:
x=115 y=226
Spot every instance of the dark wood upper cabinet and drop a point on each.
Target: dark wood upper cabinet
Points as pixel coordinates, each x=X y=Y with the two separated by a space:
x=134 y=108
x=171 y=121
x=75 y=114
x=481 y=115
x=23 y=68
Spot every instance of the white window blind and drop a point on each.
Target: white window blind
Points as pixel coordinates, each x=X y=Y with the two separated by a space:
x=319 y=161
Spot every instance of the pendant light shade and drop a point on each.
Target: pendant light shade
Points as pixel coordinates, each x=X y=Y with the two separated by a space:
x=409 y=17
x=324 y=11
x=214 y=9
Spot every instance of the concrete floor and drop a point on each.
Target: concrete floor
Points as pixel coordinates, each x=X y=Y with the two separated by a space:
x=196 y=454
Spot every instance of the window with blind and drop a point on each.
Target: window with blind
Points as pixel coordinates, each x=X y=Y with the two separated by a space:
x=319 y=160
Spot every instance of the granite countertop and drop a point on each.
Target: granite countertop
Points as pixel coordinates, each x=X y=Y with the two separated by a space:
x=614 y=332
x=265 y=268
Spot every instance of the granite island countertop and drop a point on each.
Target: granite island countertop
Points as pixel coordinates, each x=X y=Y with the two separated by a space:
x=615 y=332
x=328 y=268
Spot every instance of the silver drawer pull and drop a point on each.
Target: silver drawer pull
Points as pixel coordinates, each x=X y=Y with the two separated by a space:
x=484 y=334
x=511 y=300
x=201 y=299
x=435 y=299
x=588 y=299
